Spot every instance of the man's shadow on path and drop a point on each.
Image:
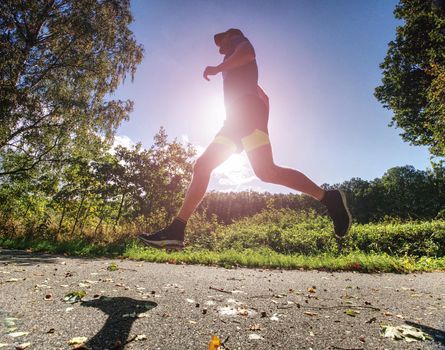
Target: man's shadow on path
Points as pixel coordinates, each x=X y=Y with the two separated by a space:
x=115 y=331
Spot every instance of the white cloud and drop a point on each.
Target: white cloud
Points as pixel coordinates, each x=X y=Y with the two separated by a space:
x=123 y=140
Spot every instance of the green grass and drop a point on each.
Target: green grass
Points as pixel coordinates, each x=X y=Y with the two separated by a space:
x=229 y=258
x=275 y=238
x=267 y=258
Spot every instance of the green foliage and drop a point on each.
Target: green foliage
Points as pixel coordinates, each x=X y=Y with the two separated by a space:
x=284 y=231
x=202 y=232
x=287 y=232
x=60 y=60
x=105 y=199
x=231 y=206
x=413 y=84
x=402 y=192
x=398 y=238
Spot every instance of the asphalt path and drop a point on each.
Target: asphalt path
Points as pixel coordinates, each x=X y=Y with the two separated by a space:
x=170 y=306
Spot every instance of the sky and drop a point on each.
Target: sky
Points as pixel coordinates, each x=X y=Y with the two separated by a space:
x=318 y=62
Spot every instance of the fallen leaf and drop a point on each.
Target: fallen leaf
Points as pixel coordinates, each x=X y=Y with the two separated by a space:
x=12 y=280
x=77 y=340
x=254 y=327
x=112 y=267
x=274 y=318
x=74 y=297
x=310 y=313
x=243 y=312
x=408 y=333
x=9 y=321
x=214 y=343
x=351 y=312
x=17 y=334
x=141 y=337
x=312 y=289
x=254 y=336
x=23 y=346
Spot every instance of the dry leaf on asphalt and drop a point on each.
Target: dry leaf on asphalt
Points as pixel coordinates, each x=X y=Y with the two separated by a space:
x=312 y=289
x=77 y=340
x=254 y=336
x=141 y=337
x=18 y=334
x=74 y=297
x=351 y=312
x=214 y=343
x=310 y=313
x=405 y=332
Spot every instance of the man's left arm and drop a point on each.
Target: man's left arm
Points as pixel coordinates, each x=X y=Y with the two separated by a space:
x=244 y=53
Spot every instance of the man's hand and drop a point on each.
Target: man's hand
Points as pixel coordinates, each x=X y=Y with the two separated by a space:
x=210 y=70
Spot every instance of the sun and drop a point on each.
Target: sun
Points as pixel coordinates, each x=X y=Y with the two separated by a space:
x=214 y=111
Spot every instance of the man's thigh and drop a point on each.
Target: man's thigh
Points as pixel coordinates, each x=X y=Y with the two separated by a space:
x=216 y=153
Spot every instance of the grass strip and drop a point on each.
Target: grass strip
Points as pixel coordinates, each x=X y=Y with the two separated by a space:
x=229 y=258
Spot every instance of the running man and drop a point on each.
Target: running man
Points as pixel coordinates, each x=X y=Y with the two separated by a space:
x=245 y=128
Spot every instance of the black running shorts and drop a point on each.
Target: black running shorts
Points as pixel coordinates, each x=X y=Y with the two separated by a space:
x=245 y=126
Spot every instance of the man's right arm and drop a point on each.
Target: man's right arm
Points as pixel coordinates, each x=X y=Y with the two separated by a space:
x=244 y=53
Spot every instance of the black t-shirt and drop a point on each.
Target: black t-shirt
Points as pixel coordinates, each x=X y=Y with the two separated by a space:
x=240 y=81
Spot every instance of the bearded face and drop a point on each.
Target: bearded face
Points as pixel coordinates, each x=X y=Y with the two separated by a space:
x=225 y=45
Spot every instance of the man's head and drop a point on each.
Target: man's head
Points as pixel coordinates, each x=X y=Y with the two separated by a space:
x=223 y=40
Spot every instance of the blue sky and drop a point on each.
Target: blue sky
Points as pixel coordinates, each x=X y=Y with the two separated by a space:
x=318 y=62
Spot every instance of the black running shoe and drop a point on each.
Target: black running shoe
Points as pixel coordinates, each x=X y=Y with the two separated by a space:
x=161 y=239
x=335 y=201
x=170 y=238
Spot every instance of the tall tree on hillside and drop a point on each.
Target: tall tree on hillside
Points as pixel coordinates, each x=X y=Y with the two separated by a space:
x=413 y=84
x=59 y=59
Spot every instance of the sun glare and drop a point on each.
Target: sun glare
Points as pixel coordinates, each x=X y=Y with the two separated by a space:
x=235 y=171
x=215 y=113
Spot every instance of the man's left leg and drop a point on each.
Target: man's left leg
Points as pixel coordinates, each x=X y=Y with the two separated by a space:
x=172 y=237
x=259 y=152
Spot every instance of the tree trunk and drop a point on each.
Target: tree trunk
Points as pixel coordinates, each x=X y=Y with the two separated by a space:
x=78 y=214
x=61 y=219
x=119 y=212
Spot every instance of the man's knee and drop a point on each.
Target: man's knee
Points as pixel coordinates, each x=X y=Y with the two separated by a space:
x=267 y=173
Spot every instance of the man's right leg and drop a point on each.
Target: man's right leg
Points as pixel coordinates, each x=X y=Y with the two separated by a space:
x=173 y=235
x=215 y=154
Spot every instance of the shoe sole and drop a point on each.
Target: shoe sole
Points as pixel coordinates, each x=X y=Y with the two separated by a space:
x=167 y=244
x=345 y=204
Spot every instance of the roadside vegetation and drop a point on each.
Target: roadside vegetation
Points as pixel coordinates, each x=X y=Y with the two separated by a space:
x=278 y=238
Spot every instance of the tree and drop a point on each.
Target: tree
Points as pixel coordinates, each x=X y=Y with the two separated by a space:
x=413 y=83
x=59 y=61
